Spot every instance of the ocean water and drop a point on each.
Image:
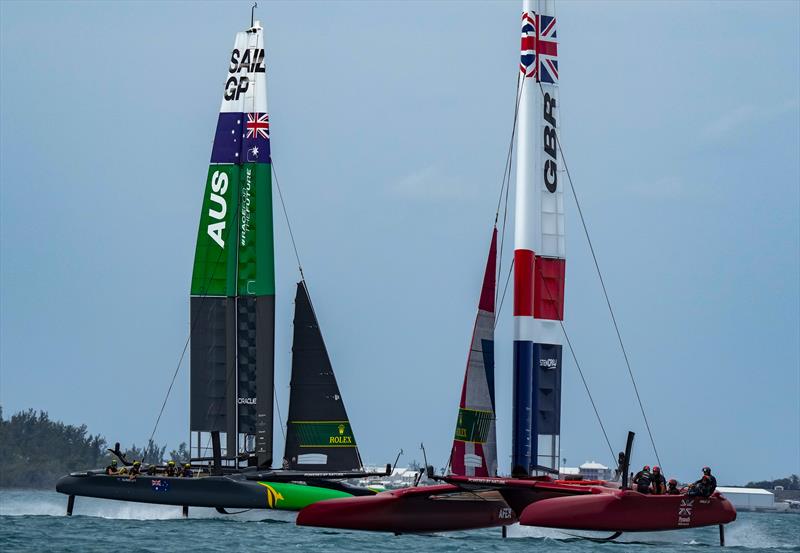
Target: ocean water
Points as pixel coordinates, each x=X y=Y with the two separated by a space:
x=36 y=521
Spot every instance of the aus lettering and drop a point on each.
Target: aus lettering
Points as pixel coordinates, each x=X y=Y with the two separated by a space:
x=218 y=207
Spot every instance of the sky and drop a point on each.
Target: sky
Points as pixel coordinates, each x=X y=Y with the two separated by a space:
x=390 y=125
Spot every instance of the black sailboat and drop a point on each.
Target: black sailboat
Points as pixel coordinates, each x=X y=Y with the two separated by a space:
x=232 y=343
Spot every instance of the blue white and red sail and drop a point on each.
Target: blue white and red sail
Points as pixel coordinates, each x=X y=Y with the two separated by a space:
x=539 y=249
x=475 y=442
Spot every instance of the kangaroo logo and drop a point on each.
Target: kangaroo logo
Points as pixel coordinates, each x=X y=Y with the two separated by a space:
x=273 y=496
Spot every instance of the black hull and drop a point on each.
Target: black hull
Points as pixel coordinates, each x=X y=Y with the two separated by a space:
x=230 y=491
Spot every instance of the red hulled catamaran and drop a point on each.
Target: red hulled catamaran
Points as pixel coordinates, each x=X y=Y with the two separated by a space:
x=472 y=496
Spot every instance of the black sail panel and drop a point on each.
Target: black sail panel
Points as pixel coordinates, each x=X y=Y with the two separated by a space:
x=319 y=435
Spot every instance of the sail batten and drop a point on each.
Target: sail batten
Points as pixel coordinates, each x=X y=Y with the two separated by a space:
x=474 y=451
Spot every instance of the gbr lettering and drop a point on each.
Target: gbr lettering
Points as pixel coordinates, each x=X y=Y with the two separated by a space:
x=550 y=143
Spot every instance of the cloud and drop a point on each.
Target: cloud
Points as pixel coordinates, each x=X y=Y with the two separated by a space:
x=430 y=183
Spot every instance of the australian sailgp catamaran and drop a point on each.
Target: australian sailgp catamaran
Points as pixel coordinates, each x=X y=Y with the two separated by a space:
x=232 y=342
x=532 y=495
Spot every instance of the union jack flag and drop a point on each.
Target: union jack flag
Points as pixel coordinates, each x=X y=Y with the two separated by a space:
x=257 y=125
x=539 y=51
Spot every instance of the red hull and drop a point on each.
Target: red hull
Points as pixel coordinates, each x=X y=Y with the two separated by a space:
x=628 y=511
x=414 y=510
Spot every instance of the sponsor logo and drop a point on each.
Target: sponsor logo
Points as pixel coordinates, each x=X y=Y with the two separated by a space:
x=550 y=141
x=341 y=429
x=548 y=363
x=685 y=512
x=218 y=207
x=247 y=401
x=340 y=440
x=249 y=61
x=505 y=514
x=246 y=199
x=273 y=496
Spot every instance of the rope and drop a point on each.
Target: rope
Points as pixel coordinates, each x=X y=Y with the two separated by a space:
x=605 y=293
x=588 y=393
x=288 y=224
x=506 y=184
x=502 y=299
x=280 y=417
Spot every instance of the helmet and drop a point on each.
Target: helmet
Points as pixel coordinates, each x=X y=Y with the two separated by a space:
x=171 y=463
x=114 y=462
x=137 y=463
x=706 y=470
x=646 y=467
x=673 y=482
x=656 y=469
x=187 y=465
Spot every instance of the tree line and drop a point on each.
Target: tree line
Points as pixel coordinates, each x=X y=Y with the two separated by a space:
x=789 y=483
x=36 y=451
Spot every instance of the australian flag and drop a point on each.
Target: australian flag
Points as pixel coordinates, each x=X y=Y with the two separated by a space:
x=160 y=485
x=539 y=51
x=241 y=138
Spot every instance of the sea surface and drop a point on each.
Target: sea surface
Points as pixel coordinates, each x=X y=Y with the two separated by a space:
x=36 y=521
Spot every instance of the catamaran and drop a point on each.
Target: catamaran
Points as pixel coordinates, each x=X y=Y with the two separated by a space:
x=533 y=495
x=232 y=321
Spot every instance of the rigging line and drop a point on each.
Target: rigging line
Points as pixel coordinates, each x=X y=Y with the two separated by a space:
x=288 y=224
x=506 y=181
x=505 y=288
x=203 y=297
x=588 y=393
x=280 y=417
x=605 y=293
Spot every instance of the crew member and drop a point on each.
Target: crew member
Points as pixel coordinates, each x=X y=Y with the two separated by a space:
x=171 y=469
x=642 y=480
x=659 y=483
x=151 y=470
x=112 y=468
x=712 y=481
x=187 y=471
x=672 y=487
x=136 y=470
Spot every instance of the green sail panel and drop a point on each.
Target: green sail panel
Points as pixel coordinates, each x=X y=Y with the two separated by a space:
x=215 y=257
x=256 y=243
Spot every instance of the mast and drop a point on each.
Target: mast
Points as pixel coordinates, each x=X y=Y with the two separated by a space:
x=475 y=442
x=233 y=280
x=539 y=249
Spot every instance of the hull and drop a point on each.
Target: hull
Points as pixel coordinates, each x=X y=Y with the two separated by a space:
x=414 y=510
x=628 y=511
x=232 y=491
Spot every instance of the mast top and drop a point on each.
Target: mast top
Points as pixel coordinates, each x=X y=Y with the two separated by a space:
x=255 y=25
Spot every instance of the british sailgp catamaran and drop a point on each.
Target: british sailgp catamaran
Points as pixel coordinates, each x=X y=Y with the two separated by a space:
x=533 y=495
x=232 y=324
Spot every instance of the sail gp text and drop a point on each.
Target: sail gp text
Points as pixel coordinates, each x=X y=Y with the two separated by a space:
x=251 y=61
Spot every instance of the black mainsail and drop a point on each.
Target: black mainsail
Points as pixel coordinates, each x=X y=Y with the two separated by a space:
x=319 y=435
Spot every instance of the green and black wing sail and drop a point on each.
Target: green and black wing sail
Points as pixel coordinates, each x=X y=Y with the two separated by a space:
x=319 y=436
x=233 y=280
